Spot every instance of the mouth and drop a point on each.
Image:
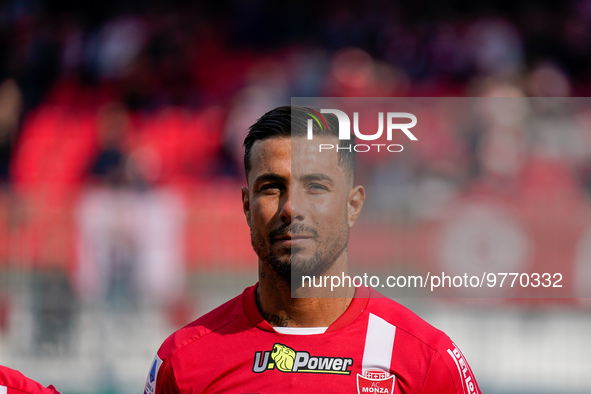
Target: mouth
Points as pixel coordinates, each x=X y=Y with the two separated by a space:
x=292 y=239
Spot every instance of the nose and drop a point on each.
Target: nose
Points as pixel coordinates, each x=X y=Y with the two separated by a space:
x=291 y=208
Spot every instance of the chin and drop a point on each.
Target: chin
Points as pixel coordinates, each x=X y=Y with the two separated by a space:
x=291 y=267
x=311 y=266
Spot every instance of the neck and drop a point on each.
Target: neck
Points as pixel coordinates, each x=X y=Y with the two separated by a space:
x=318 y=309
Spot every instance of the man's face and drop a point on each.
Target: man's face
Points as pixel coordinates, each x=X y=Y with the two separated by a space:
x=299 y=205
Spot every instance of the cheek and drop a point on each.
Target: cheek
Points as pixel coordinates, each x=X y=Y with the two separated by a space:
x=331 y=215
x=262 y=211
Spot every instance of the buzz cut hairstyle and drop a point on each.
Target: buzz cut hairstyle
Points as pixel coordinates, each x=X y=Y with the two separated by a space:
x=292 y=121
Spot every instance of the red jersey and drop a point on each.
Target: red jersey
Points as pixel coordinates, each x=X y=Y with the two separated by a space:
x=14 y=382
x=376 y=346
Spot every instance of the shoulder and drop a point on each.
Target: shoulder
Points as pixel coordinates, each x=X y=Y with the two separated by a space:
x=446 y=365
x=408 y=322
x=201 y=328
x=181 y=353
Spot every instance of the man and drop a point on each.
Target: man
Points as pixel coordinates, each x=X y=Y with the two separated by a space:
x=266 y=340
x=14 y=382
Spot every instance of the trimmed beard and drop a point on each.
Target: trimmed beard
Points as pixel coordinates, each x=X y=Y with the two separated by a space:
x=291 y=266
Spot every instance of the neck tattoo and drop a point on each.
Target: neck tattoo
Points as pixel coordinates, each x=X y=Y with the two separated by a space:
x=276 y=320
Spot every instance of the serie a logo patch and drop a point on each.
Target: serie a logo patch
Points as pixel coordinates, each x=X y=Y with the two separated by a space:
x=150 y=386
x=285 y=359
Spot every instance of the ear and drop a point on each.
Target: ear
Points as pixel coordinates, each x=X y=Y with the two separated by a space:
x=355 y=203
x=246 y=204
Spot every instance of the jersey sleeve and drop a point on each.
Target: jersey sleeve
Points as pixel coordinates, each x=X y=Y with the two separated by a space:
x=450 y=373
x=14 y=382
x=166 y=383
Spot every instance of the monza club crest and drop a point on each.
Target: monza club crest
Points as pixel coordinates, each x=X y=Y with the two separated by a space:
x=375 y=381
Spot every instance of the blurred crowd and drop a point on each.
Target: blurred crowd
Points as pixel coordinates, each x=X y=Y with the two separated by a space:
x=238 y=58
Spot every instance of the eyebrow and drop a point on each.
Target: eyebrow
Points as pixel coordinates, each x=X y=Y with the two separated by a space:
x=269 y=177
x=316 y=177
x=274 y=177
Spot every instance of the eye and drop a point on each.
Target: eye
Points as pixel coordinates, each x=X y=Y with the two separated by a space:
x=271 y=187
x=317 y=187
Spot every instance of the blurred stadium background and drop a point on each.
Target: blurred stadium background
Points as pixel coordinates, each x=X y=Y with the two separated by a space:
x=121 y=125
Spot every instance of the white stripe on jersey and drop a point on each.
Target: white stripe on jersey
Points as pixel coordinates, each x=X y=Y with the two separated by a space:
x=379 y=344
x=3 y=390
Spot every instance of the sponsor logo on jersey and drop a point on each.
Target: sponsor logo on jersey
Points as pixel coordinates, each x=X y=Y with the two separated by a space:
x=375 y=381
x=285 y=359
x=463 y=369
x=150 y=387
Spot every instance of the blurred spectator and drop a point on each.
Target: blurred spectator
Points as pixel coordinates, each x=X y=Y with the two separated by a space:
x=10 y=112
x=130 y=248
x=495 y=47
x=113 y=126
x=266 y=87
x=117 y=44
x=54 y=307
x=353 y=73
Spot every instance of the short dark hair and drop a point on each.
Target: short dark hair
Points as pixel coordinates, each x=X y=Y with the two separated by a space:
x=292 y=121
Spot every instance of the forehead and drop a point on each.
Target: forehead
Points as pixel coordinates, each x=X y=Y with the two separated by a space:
x=294 y=157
